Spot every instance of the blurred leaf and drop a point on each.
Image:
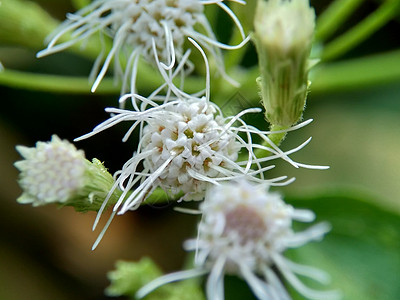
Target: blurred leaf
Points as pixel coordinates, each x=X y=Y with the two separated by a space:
x=388 y=10
x=129 y=277
x=361 y=253
x=334 y=16
x=79 y=4
x=357 y=73
x=24 y=23
x=54 y=83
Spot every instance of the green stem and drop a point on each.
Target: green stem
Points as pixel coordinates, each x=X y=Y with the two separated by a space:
x=147 y=80
x=53 y=83
x=351 y=74
x=276 y=138
x=361 y=72
x=362 y=30
x=159 y=196
x=333 y=17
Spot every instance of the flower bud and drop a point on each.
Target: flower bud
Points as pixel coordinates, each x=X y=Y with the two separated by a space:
x=56 y=172
x=283 y=36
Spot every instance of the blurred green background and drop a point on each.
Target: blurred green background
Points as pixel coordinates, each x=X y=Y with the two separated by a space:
x=45 y=252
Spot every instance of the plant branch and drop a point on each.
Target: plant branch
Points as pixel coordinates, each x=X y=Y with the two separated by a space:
x=333 y=17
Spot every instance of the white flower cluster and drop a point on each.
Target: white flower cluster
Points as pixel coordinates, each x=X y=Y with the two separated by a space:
x=187 y=144
x=134 y=25
x=187 y=148
x=51 y=172
x=147 y=21
x=192 y=138
x=244 y=231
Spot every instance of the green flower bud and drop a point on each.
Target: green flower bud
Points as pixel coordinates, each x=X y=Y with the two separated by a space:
x=283 y=36
x=56 y=172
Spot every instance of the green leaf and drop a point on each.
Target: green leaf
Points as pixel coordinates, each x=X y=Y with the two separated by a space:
x=361 y=253
x=388 y=10
x=24 y=23
x=79 y=4
x=129 y=277
x=356 y=73
x=338 y=12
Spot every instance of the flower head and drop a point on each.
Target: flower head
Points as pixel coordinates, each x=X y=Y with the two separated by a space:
x=56 y=172
x=283 y=34
x=191 y=137
x=186 y=145
x=244 y=231
x=134 y=25
x=51 y=172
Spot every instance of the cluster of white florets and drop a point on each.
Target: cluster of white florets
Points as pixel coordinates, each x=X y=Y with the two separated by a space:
x=51 y=172
x=186 y=146
x=195 y=139
x=148 y=21
x=244 y=223
x=137 y=29
x=244 y=231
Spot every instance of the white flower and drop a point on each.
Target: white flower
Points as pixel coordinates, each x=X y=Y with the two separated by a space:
x=191 y=137
x=185 y=145
x=244 y=231
x=51 y=172
x=56 y=172
x=133 y=25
